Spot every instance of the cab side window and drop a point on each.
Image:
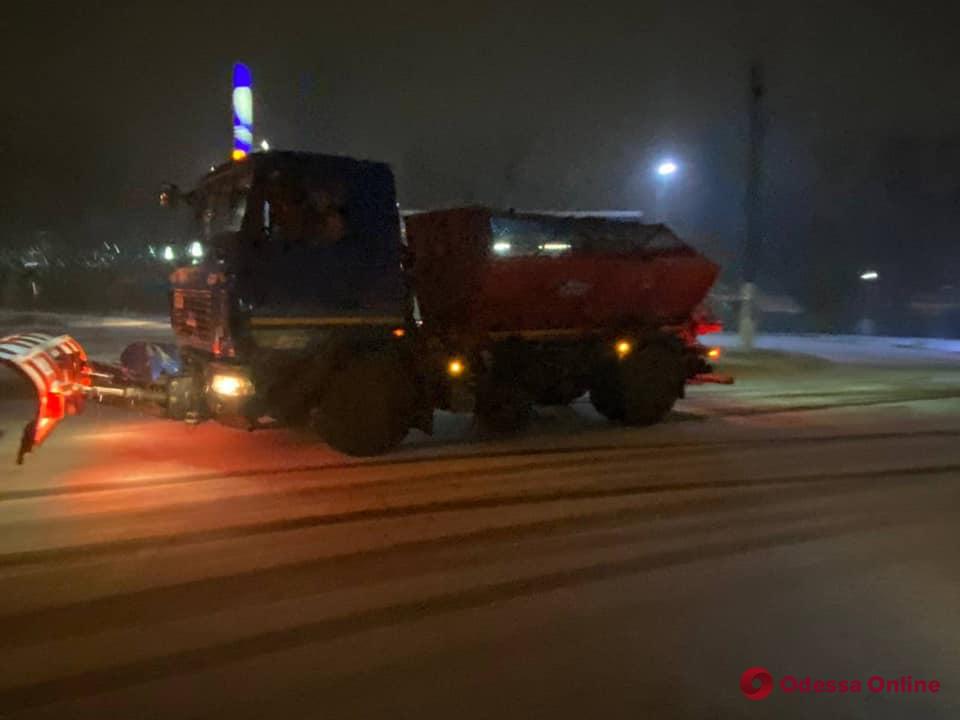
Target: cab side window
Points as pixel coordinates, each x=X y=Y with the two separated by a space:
x=325 y=216
x=282 y=211
x=304 y=214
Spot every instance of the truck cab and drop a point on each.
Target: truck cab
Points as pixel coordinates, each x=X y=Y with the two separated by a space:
x=293 y=242
x=301 y=268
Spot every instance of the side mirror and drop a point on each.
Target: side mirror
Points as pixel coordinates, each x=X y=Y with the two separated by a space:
x=170 y=195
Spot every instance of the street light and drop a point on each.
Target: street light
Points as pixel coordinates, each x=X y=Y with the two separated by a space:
x=667 y=168
x=264 y=145
x=867 y=326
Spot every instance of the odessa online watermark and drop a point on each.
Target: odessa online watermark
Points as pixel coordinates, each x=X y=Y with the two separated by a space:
x=756 y=683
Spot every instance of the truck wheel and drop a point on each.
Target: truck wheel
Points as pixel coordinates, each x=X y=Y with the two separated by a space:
x=366 y=406
x=503 y=407
x=606 y=391
x=641 y=389
x=651 y=382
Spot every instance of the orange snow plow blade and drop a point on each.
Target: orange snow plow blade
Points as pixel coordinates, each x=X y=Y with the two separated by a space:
x=57 y=369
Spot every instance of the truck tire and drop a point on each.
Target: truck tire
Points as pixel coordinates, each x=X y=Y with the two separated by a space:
x=605 y=392
x=366 y=406
x=642 y=388
x=503 y=406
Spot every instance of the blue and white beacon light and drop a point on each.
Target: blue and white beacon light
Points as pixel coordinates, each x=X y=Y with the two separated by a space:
x=242 y=111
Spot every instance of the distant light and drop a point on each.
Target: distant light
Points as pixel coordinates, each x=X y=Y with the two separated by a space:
x=264 y=145
x=168 y=253
x=212 y=168
x=623 y=348
x=238 y=155
x=556 y=246
x=456 y=367
x=196 y=249
x=713 y=353
x=399 y=332
x=667 y=168
x=501 y=248
x=870 y=275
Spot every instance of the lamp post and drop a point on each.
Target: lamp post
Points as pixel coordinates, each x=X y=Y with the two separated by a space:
x=752 y=240
x=666 y=170
x=869 y=279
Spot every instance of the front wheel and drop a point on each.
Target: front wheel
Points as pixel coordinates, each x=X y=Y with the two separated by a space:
x=366 y=406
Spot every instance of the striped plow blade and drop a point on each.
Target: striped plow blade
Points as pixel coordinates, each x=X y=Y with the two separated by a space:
x=57 y=369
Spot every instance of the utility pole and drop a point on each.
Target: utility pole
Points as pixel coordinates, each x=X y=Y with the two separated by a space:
x=752 y=244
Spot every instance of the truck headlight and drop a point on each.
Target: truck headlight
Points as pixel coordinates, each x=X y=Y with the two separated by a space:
x=231 y=385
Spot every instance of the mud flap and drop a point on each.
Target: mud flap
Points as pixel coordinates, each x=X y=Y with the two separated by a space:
x=57 y=369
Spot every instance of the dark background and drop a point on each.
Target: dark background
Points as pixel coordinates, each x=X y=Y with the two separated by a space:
x=547 y=105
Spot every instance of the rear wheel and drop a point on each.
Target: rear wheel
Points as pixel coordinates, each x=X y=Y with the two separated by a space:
x=606 y=392
x=640 y=389
x=366 y=406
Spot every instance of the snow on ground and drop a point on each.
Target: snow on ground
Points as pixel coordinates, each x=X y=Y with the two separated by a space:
x=103 y=338
x=861 y=349
x=17 y=320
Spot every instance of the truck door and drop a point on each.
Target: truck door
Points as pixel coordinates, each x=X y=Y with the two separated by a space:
x=327 y=245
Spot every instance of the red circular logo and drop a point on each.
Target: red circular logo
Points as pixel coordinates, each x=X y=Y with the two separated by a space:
x=756 y=683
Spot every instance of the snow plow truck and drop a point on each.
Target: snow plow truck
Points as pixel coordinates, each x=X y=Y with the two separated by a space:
x=318 y=304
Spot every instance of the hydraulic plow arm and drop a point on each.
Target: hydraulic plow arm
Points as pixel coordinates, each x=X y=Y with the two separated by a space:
x=58 y=370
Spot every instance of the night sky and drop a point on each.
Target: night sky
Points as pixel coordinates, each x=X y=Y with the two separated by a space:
x=553 y=105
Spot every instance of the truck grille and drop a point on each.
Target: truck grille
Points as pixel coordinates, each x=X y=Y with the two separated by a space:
x=198 y=317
